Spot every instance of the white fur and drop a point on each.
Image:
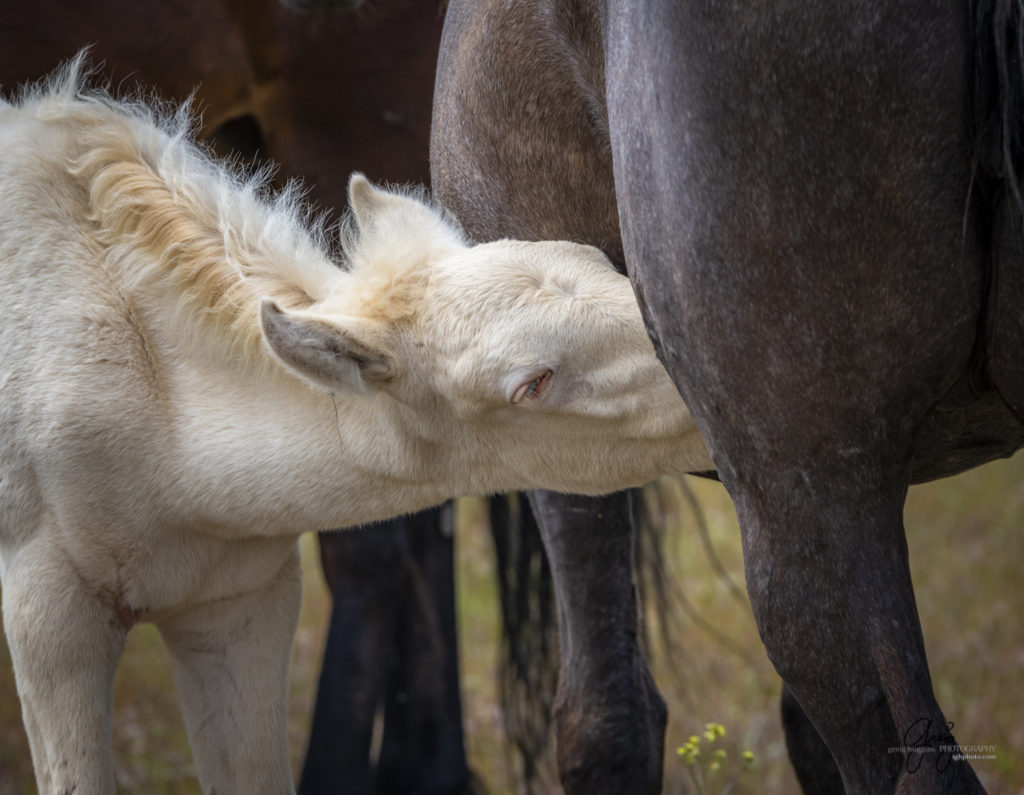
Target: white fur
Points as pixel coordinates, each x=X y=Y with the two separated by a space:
x=165 y=440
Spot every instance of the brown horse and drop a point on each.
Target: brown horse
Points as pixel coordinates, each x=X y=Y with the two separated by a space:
x=819 y=206
x=322 y=95
x=544 y=152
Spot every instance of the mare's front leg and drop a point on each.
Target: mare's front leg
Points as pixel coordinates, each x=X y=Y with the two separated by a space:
x=231 y=670
x=609 y=716
x=808 y=754
x=66 y=636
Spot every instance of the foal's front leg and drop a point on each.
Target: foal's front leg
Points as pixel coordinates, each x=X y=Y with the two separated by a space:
x=231 y=669
x=65 y=637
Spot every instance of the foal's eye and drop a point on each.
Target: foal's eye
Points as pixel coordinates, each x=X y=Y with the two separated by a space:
x=534 y=388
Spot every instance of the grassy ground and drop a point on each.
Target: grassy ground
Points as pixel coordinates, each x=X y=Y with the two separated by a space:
x=966 y=538
x=966 y=549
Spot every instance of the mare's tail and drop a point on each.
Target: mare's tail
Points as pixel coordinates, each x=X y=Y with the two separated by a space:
x=528 y=663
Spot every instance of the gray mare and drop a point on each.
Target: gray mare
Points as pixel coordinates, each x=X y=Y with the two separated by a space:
x=814 y=201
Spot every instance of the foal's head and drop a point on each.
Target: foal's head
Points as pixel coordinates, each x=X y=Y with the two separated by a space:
x=533 y=354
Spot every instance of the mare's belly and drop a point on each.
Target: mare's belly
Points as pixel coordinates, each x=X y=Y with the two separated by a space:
x=960 y=434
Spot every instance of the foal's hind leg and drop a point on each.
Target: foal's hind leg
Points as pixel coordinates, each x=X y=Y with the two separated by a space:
x=65 y=641
x=609 y=716
x=231 y=669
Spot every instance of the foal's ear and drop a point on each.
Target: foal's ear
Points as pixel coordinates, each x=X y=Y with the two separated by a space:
x=365 y=199
x=397 y=218
x=330 y=354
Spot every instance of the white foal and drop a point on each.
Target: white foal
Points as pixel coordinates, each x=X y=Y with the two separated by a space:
x=188 y=382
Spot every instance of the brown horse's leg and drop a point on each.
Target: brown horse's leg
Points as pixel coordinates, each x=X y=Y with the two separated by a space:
x=366 y=569
x=609 y=716
x=422 y=749
x=391 y=638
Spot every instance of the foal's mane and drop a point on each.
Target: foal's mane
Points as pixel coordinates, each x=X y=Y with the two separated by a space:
x=171 y=217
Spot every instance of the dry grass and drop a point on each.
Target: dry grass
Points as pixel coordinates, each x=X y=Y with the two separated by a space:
x=966 y=548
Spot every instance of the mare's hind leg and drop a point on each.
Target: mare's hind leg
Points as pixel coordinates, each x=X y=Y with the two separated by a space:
x=812 y=303
x=609 y=716
x=65 y=640
x=231 y=670
x=829 y=581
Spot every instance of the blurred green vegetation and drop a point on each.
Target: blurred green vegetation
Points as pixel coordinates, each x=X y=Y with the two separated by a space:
x=967 y=548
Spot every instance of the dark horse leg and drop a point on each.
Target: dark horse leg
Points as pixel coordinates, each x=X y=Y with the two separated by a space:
x=392 y=631
x=609 y=716
x=422 y=749
x=812 y=761
x=361 y=566
x=800 y=261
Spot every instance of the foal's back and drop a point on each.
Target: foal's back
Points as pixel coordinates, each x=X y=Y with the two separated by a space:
x=73 y=363
x=90 y=487
x=97 y=360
